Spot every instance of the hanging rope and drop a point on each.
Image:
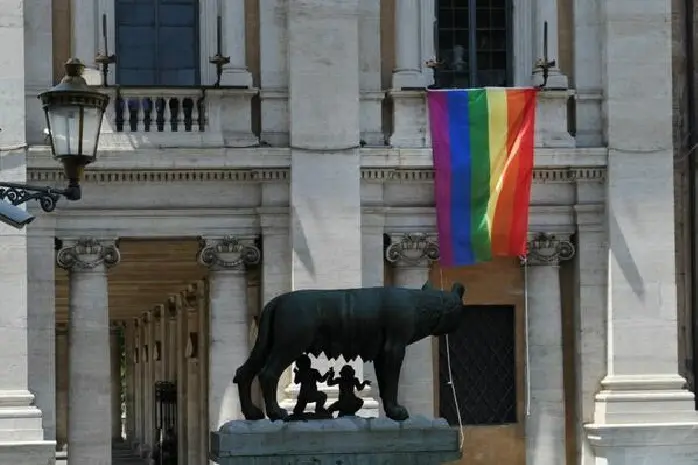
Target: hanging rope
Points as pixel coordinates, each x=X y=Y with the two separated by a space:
x=450 y=374
x=524 y=260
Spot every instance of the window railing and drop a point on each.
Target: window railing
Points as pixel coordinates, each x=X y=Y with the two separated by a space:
x=158 y=110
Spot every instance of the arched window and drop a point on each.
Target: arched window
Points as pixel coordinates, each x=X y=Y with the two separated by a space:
x=474 y=43
x=157 y=42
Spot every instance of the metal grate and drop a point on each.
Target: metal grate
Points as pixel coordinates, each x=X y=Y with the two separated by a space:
x=484 y=368
x=473 y=41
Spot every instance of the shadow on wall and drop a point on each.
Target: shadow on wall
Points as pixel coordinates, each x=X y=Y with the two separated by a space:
x=624 y=258
x=300 y=243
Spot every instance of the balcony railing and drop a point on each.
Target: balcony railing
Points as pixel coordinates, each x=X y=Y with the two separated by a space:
x=162 y=110
x=161 y=117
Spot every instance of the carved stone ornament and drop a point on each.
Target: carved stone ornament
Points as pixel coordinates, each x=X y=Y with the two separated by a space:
x=548 y=249
x=87 y=254
x=228 y=253
x=416 y=249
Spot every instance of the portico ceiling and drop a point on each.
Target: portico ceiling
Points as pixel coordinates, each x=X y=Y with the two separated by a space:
x=149 y=271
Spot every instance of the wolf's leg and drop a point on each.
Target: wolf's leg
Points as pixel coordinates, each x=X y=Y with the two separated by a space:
x=393 y=355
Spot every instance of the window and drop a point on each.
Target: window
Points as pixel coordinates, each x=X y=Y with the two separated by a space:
x=483 y=365
x=473 y=42
x=157 y=42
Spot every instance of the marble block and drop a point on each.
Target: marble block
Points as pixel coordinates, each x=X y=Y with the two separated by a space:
x=343 y=441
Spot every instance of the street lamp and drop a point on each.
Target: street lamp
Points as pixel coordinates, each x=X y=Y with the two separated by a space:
x=73 y=116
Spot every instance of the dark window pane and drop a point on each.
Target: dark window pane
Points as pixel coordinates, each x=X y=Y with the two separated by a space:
x=483 y=366
x=157 y=42
x=492 y=37
x=461 y=19
x=177 y=15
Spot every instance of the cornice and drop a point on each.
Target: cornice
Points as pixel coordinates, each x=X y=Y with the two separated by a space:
x=262 y=175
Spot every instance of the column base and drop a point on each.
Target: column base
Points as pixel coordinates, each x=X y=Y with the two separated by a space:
x=551 y=125
x=21 y=432
x=410 y=122
x=644 y=443
x=639 y=399
x=28 y=453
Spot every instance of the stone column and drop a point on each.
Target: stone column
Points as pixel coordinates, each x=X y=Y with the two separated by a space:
x=194 y=424
x=234 y=40
x=62 y=386
x=411 y=255
x=135 y=354
x=227 y=259
x=89 y=421
x=115 y=362
x=148 y=358
x=545 y=427
x=407 y=73
x=129 y=345
x=180 y=350
x=373 y=275
x=203 y=351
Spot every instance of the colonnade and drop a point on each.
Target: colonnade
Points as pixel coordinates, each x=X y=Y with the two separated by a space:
x=188 y=347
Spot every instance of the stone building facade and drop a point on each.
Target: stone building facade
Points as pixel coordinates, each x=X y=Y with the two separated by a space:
x=310 y=167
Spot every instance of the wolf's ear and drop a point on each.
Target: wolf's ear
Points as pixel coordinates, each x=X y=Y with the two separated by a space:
x=459 y=289
x=427 y=285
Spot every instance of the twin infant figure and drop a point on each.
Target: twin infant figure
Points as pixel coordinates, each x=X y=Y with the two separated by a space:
x=347 y=404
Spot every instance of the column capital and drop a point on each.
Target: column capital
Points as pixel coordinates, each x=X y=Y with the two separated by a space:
x=412 y=249
x=228 y=253
x=548 y=249
x=86 y=254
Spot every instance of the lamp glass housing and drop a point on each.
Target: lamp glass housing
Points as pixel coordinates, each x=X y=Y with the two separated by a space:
x=74 y=115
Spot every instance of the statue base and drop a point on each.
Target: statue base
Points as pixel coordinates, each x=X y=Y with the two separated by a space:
x=347 y=441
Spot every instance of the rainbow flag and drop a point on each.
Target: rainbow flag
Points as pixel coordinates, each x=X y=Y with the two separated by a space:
x=483 y=162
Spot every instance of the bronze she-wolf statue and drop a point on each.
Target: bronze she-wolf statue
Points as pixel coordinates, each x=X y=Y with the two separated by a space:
x=376 y=324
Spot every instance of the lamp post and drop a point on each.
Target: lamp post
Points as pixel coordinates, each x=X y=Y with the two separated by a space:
x=74 y=115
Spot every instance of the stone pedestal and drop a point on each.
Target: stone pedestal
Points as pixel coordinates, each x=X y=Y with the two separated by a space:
x=551 y=119
x=230 y=112
x=348 y=441
x=410 y=121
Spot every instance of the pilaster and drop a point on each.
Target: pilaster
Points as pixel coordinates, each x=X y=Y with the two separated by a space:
x=90 y=418
x=21 y=434
x=274 y=70
x=411 y=256
x=41 y=318
x=545 y=426
x=235 y=73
